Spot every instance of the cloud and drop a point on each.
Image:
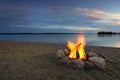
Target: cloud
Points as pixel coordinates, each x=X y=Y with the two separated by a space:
x=73 y=28
x=18 y=9
x=56 y=9
x=87 y=14
x=81 y=28
x=99 y=15
x=58 y=18
x=116 y=23
x=14 y=15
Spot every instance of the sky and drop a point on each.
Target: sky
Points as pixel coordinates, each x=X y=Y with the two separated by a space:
x=70 y=16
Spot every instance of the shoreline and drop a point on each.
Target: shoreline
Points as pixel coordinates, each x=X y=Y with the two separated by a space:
x=37 y=61
x=5 y=41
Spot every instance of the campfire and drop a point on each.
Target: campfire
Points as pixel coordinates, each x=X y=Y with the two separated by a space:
x=74 y=56
x=77 y=49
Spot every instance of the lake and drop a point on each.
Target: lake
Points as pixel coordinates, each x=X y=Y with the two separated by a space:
x=91 y=38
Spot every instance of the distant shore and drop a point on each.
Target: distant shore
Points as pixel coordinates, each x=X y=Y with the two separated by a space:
x=28 y=33
x=109 y=33
x=36 y=33
x=33 y=61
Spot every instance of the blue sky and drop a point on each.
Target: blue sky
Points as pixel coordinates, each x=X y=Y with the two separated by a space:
x=59 y=15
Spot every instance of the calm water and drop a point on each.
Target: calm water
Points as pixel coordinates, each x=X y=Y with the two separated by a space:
x=92 y=39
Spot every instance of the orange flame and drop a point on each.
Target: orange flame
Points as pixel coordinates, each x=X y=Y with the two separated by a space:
x=77 y=48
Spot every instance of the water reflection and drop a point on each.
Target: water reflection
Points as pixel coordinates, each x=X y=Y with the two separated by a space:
x=106 y=35
x=116 y=44
x=92 y=39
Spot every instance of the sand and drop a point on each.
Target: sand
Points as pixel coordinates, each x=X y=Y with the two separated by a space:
x=37 y=61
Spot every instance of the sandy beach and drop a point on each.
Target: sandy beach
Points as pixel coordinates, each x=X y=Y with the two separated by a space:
x=37 y=61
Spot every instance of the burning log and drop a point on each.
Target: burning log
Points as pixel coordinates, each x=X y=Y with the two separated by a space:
x=76 y=51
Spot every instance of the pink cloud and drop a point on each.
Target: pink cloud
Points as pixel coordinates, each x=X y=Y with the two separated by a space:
x=95 y=13
x=99 y=14
x=116 y=23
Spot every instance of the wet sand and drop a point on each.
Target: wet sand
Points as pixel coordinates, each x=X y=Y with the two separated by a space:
x=37 y=61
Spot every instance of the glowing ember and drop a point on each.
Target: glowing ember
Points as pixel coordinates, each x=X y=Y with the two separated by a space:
x=77 y=49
